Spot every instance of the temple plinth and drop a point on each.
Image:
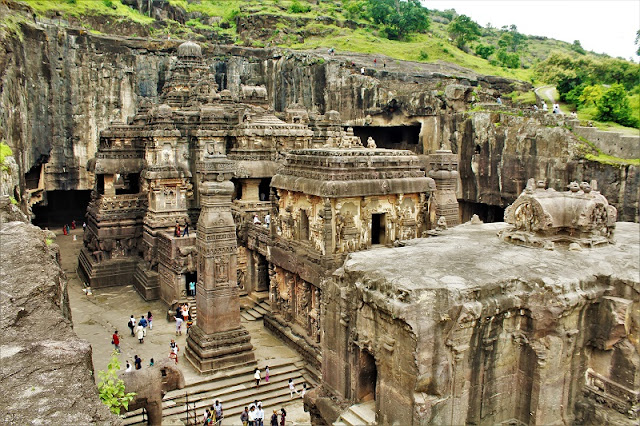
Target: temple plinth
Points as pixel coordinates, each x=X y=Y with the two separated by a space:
x=217 y=340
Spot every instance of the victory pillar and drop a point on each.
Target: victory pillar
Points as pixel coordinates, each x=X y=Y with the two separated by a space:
x=217 y=340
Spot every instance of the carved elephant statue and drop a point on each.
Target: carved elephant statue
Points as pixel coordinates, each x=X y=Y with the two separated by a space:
x=150 y=385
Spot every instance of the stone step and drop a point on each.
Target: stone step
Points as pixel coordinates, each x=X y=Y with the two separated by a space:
x=350 y=419
x=260 y=309
x=246 y=316
x=233 y=398
x=365 y=411
x=253 y=314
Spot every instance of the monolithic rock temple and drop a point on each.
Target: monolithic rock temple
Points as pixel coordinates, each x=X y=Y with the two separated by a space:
x=344 y=200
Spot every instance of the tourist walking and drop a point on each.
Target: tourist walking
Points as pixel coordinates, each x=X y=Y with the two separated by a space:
x=283 y=415
x=292 y=388
x=132 y=324
x=274 y=418
x=259 y=415
x=244 y=417
x=137 y=361
x=115 y=340
x=140 y=333
x=179 y=322
x=143 y=323
x=304 y=390
x=177 y=230
x=149 y=320
x=252 y=416
x=217 y=410
x=207 y=417
x=256 y=376
x=151 y=362
x=185 y=231
x=266 y=374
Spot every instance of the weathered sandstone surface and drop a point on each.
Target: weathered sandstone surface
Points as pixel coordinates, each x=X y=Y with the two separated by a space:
x=46 y=370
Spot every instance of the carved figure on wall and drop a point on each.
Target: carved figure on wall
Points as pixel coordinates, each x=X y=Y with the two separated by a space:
x=371 y=143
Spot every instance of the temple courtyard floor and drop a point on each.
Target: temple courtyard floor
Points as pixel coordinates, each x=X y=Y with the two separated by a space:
x=96 y=316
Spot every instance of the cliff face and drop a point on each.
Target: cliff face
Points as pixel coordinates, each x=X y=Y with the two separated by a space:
x=59 y=87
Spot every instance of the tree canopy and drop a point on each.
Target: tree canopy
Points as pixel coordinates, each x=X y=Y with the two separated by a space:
x=463 y=30
x=399 y=17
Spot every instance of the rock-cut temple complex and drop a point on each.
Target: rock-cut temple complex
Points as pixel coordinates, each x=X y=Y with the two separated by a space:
x=358 y=247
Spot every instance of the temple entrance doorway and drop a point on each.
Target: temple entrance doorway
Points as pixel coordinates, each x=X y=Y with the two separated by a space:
x=61 y=207
x=189 y=277
x=378 y=228
x=367 y=377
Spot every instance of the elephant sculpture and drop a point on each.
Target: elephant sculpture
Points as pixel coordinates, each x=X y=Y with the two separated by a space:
x=150 y=385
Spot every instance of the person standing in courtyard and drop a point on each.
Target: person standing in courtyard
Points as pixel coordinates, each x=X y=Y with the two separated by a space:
x=252 y=416
x=128 y=369
x=217 y=409
x=143 y=323
x=266 y=374
x=179 y=322
x=274 y=418
x=256 y=376
x=138 y=362
x=149 y=320
x=244 y=417
x=283 y=415
x=132 y=324
x=192 y=288
x=115 y=340
x=259 y=415
x=140 y=333
x=304 y=390
x=185 y=231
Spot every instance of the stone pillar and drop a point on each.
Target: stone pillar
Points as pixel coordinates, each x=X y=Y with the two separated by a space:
x=443 y=168
x=217 y=340
x=250 y=189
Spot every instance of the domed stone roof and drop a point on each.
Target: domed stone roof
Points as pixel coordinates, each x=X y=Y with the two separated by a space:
x=189 y=49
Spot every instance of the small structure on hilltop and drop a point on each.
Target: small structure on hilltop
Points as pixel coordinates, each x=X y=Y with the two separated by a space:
x=541 y=217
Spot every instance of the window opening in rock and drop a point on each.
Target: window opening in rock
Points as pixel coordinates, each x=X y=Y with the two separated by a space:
x=128 y=184
x=393 y=137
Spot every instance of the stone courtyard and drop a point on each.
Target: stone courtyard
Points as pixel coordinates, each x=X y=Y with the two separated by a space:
x=95 y=317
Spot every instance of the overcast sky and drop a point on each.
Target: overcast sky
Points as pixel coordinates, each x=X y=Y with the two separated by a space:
x=604 y=26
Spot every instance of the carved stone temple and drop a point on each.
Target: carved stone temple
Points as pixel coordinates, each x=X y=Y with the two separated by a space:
x=217 y=340
x=532 y=321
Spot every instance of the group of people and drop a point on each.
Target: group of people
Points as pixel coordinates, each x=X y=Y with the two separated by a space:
x=254 y=416
x=182 y=316
x=267 y=220
x=178 y=232
x=66 y=229
x=137 y=361
x=139 y=328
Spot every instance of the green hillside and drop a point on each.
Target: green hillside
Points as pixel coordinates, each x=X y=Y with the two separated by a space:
x=401 y=30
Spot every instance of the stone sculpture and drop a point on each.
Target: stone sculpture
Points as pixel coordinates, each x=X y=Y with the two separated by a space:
x=150 y=385
x=540 y=216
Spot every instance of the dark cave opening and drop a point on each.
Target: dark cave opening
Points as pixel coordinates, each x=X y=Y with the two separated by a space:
x=392 y=137
x=61 y=208
x=486 y=212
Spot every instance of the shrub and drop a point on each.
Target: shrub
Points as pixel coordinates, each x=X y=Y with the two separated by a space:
x=484 y=51
x=423 y=55
x=111 y=388
x=296 y=7
x=613 y=105
x=509 y=60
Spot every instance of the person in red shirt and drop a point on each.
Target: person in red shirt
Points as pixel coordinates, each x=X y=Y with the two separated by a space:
x=115 y=339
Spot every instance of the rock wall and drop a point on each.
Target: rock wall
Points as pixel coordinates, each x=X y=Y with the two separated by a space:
x=47 y=371
x=500 y=151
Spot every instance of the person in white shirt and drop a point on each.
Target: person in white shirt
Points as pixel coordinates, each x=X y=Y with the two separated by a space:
x=257 y=377
x=259 y=416
x=252 y=415
x=292 y=388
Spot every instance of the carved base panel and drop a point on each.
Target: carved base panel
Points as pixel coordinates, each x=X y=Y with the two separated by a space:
x=106 y=273
x=219 y=351
x=146 y=282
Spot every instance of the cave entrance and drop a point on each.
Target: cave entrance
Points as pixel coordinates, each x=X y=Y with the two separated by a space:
x=190 y=277
x=367 y=377
x=378 y=228
x=486 y=212
x=392 y=137
x=61 y=207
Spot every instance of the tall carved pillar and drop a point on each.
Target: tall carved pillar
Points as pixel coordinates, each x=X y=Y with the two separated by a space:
x=443 y=168
x=217 y=340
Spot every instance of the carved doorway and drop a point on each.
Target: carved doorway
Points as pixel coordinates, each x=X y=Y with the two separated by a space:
x=367 y=377
x=378 y=228
x=189 y=277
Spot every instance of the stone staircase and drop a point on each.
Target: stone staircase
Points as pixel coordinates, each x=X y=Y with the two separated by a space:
x=235 y=389
x=257 y=312
x=358 y=415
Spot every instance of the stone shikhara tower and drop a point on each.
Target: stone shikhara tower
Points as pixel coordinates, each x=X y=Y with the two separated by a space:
x=217 y=340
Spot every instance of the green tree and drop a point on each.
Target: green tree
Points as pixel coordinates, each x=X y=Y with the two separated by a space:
x=511 y=39
x=509 y=60
x=613 y=105
x=638 y=42
x=484 y=50
x=591 y=95
x=577 y=47
x=399 y=17
x=463 y=30
x=111 y=388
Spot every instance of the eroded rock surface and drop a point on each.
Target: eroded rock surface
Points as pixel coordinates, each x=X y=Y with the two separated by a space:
x=46 y=370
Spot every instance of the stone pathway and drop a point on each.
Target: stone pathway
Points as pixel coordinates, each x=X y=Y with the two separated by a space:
x=95 y=318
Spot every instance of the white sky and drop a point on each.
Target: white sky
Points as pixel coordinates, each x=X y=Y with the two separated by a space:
x=604 y=26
